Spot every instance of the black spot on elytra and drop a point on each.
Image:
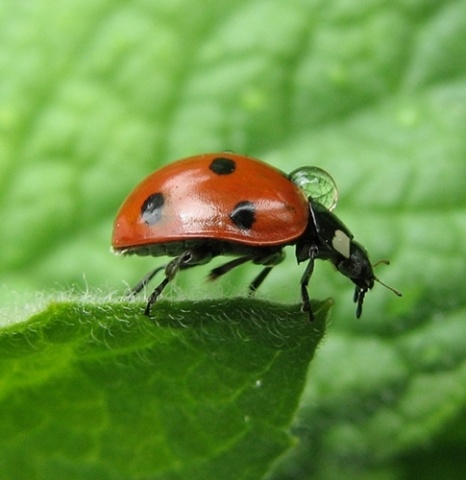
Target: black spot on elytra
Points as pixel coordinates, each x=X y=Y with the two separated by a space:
x=222 y=166
x=243 y=215
x=151 y=209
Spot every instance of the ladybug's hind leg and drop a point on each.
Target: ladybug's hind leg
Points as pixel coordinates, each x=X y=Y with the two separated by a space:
x=145 y=281
x=187 y=259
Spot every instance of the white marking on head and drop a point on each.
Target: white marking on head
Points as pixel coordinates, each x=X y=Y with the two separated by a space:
x=341 y=243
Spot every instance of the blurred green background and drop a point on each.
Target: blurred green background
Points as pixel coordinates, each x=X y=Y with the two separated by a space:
x=96 y=94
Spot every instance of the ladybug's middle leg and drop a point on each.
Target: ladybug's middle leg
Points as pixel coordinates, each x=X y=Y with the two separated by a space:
x=145 y=281
x=257 y=282
x=226 y=267
x=269 y=261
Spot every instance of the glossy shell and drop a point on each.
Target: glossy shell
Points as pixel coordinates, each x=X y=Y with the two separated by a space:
x=220 y=196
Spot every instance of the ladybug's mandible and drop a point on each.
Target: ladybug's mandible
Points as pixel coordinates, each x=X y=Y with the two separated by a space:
x=228 y=204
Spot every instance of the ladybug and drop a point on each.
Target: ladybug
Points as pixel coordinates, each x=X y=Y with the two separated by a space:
x=215 y=204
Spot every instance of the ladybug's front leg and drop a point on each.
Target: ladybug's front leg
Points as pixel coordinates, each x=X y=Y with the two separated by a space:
x=358 y=297
x=306 y=304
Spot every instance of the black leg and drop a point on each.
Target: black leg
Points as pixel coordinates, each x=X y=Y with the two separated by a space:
x=269 y=261
x=185 y=260
x=306 y=305
x=143 y=283
x=257 y=282
x=226 y=267
x=359 y=294
x=154 y=295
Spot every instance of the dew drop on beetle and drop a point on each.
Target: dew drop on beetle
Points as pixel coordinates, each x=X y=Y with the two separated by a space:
x=316 y=184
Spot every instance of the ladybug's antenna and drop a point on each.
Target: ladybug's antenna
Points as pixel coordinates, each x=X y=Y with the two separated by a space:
x=394 y=290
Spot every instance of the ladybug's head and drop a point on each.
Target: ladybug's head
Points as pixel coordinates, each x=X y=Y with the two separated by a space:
x=357 y=266
x=358 y=269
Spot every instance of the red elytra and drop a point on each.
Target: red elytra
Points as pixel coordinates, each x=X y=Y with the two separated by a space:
x=228 y=204
x=198 y=197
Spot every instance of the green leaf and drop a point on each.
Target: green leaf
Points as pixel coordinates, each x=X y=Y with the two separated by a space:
x=199 y=391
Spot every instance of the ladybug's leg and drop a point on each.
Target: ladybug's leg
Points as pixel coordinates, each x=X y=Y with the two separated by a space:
x=257 y=282
x=154 y=295
x=143 y=283
x=306 y=305
x=189 y=258
x=359 y=294
x=226 y=267
x=269 y=261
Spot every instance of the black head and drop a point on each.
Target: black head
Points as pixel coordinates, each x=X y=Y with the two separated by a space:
x=358 y=269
